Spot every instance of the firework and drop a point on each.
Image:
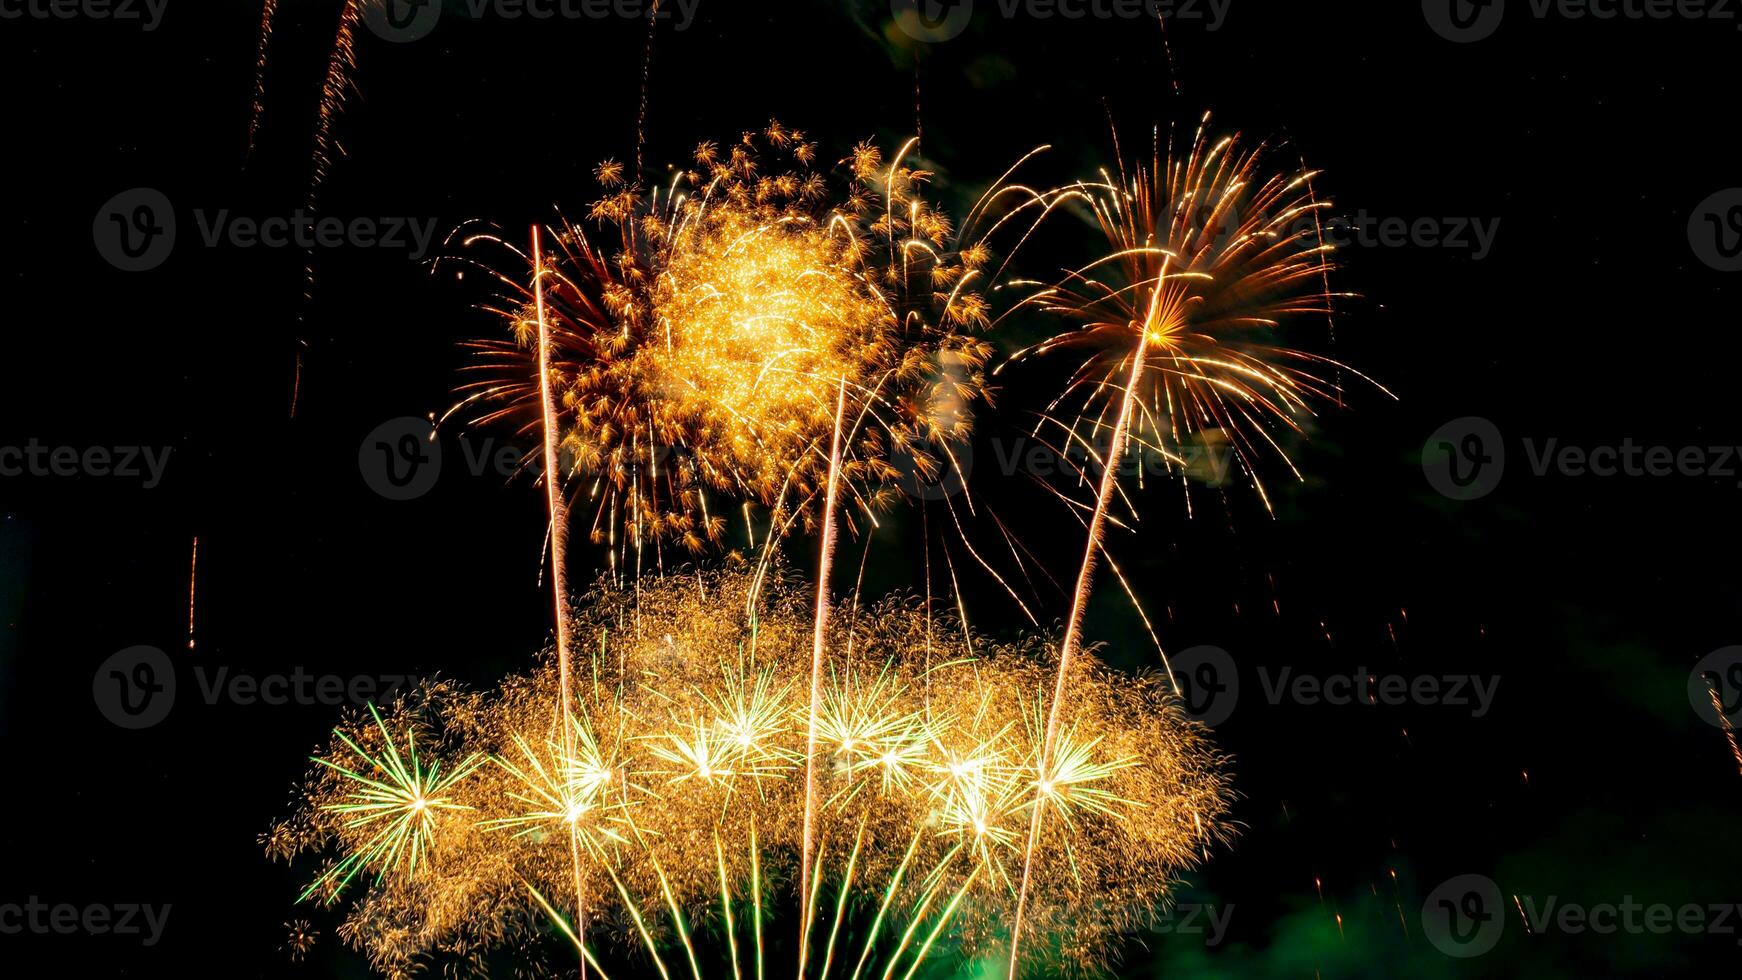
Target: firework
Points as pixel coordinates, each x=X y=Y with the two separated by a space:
x=1208 y=254
x=300 y=937
x=704 y=358
x=685 y=791
x=387 y=812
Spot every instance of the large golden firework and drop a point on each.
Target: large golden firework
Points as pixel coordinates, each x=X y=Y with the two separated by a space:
x=747 y=307
x=681 y=787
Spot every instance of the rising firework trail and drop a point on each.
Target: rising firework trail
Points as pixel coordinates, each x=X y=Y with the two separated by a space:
x=1208 y=255
x=825 y=562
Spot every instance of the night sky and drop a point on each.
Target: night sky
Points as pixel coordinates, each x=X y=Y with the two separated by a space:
x=1535 y=273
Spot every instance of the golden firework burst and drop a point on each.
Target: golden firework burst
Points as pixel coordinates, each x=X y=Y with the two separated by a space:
x=686 y=783
x=705 y=359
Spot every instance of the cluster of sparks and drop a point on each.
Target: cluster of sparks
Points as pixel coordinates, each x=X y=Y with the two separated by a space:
x=721 y=747
x=705 y=752
x=678 y=777
x=1176 y=323
x=703 y=359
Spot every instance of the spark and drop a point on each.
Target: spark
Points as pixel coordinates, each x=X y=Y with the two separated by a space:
x=1207 y=255
x=399 y=792
x=193 y=579
x=684 y=787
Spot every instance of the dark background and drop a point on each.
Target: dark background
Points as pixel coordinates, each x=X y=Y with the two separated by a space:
x=1592 y=321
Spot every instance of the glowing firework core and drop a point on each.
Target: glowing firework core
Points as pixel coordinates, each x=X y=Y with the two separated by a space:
x=756 y=323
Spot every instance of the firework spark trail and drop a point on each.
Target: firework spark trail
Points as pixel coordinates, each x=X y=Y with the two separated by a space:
x=558 y=513
x=646 y=78
x=335 y=89
x=268 y=13
x=1073 y=629
x=825 y=562
x=558 y=533
x=193 y=579
x=1724 y=722
x=1211 y=254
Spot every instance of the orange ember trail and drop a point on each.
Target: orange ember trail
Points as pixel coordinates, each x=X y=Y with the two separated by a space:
x=1729 y=732
x=1079 y=604
x=824 y=563
x=559 y=579
x=552 y=493
x=193 y=573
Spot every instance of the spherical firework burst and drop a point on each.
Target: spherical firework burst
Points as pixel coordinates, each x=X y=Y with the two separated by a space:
x=709 y=353
x=681 y=788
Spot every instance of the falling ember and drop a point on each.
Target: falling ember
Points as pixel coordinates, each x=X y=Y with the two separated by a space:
x=268 y=13
x=193 y=580
x=1724 y=721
